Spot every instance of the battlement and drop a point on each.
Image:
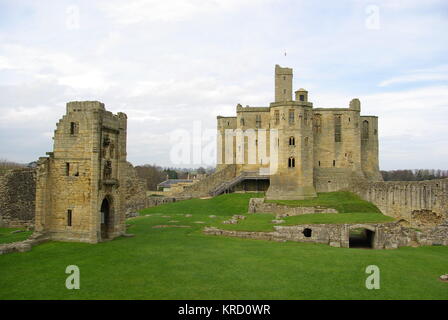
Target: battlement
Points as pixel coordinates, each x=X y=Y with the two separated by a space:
x=77 y=106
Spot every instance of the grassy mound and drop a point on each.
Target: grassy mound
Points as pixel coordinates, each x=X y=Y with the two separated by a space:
x=344 y=202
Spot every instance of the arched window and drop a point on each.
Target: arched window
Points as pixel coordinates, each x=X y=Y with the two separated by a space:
x=291 y=162
x=365 y=130
x=292 y=141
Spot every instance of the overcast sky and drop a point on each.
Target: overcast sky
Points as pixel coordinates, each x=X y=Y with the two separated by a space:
x=168 y=63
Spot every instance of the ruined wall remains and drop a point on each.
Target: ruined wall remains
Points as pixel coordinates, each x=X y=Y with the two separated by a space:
x=78 y=188
x=134 y=190
x=17 y=196
x=417 y=202
x=385 y=235
x=258 y=205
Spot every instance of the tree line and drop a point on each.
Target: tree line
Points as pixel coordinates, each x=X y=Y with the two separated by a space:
x=414 y=175
x=153 y=174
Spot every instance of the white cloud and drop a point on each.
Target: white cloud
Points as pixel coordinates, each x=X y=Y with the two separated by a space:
x=136 y=11
x=422 y=75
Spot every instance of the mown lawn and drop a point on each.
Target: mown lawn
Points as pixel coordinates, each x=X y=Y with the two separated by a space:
x=344 y=202
x=183 y=263
x=7 y=235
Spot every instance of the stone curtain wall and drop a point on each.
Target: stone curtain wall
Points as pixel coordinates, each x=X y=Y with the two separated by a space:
x=417 y=202
x=134 y=189
x=17 y=198
x=386 y=235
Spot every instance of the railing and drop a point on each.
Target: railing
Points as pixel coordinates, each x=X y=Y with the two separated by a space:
x=225 y=186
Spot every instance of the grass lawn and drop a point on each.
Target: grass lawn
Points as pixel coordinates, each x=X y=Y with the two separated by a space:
x=183 y=263
x=342 y=201
x=6 y=235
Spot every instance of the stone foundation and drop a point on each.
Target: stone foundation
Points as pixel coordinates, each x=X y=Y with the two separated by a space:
x=258 y=205
x=385 y=235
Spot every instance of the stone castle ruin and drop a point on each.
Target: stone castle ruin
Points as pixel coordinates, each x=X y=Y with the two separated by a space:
x=84 y=189
x=79 y=185
x=315 y=149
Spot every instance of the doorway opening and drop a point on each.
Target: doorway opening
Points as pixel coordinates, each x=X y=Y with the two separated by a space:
x=105 y=218
x=361 y=238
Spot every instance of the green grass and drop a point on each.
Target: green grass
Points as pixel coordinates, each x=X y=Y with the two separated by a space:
x=344 y=202
x=263 y=221
x=183 y=263
x=7 y=237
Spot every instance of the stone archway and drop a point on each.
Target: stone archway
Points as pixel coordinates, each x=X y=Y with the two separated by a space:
x=361 y=237
x=106 y=217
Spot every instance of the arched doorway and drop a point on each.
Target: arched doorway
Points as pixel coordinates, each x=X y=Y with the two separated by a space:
x=361 y=238
x=105 y=218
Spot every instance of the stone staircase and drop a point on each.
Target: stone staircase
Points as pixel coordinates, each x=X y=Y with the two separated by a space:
x=228 y=185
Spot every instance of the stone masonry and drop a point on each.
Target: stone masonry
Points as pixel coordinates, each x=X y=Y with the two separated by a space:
x=79 y=193
x=17 y=198
x=318 y=149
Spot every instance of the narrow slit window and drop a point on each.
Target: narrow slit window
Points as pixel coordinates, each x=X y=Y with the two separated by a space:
x=258 y=121
x=337 y=128
x=69 y=217
x=67 y=169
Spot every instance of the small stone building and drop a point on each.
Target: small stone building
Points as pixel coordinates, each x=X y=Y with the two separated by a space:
x=79 y=194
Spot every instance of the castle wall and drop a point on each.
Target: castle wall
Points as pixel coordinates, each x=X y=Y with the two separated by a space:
x=368 y=127
x=17 y=198
x=418 y=202
x=386 y=235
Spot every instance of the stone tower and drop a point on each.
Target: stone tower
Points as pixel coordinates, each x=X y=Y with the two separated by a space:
x=79 y=194
x=293 y=178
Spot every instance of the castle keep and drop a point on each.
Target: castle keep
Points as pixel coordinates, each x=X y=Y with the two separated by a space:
x=78 y=187
x=308 y=149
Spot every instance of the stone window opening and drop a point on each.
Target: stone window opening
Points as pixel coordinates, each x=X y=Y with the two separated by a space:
x=292 y=141
x=258 y=121
x=337 y=128
x=291 y=162
x=365 y=130
x=334 y=163
x=307 y=232
x=306 y=141
x=242 y=121
x=277 y=116
x=302 y=97
x=69 y=217
x=284 y=91
x=319 y=163
x=67 y=169
x=74 y=128
x=291 y=117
